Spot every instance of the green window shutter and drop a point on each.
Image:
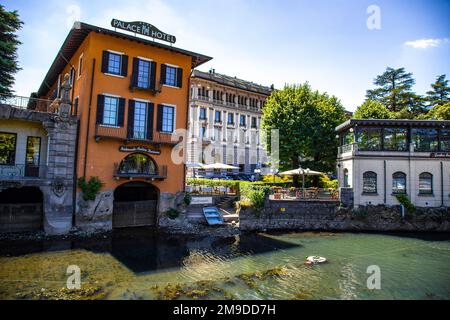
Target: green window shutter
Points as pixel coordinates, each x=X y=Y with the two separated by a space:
x=100 y=107
x=159 y=117
x=153 y=75
x=105 y=61
x=130 y=131
x=179 y=77
x=150 y=113
x=124 y=66
x=163 y=74
x=134 y=76
x=121 y=115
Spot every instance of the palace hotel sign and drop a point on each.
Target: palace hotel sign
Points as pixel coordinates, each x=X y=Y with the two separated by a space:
x=143 y=28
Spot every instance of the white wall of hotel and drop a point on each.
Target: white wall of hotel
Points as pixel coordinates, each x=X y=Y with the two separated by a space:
x=233 y=144
x=385 y=164
x=23 y=130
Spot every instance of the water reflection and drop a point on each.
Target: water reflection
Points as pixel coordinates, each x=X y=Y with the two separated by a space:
x=144 y=250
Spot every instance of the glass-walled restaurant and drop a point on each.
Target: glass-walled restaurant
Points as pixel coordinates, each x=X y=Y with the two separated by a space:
x=395 y=135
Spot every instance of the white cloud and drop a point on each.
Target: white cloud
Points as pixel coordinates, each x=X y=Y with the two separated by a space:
x=74 y=14
x=425 y=43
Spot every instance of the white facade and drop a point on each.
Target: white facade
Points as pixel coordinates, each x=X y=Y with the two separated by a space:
x=421 y=169
x=224 y=122
x=24 y=130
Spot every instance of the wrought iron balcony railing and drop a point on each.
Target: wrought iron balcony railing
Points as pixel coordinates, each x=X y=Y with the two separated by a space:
x=128 y=170
x=124 y=134
x=21 y=171
x=30 y=103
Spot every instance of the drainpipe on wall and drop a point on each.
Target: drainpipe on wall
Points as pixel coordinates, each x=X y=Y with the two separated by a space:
x=185 y=145
x=442 y=184
x=89 y=120
x=384 y=177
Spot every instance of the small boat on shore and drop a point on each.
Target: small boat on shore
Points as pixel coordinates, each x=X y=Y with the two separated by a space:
x=311 y=260
x=213 y=216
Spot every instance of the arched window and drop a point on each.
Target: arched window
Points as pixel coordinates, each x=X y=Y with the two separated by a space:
x=425 y=183
x=138 y=164
x=369 y=182
x=346 y=185
x=399 y=182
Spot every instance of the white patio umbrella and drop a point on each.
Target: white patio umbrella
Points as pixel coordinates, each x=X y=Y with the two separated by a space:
x=219 y=166
x=193 y=166
x=301 y=172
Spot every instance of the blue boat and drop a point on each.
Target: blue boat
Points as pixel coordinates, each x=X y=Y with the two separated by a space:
x=213 y=216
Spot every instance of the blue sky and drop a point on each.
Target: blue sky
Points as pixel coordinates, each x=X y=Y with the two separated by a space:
x=326 y=43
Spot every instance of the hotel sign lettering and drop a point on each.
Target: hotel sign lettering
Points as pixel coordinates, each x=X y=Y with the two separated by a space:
x=440 y=155
x=143 y=28
x=139 y=149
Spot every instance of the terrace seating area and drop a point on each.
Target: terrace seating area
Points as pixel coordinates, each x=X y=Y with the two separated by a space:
x=299 y=194
x=208 y=190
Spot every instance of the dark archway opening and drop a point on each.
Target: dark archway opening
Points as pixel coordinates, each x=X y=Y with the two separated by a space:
x=135 y=191
x=21 y=195
x=21 y=210
x=135 y=205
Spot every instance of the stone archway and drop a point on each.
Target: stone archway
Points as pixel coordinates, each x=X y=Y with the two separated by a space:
x=21 y=210
x=135 y=205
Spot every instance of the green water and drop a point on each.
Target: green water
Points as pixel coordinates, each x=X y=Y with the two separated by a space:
x=244 y=267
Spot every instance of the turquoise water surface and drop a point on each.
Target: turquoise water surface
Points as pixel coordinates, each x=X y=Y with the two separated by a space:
x=143 y=265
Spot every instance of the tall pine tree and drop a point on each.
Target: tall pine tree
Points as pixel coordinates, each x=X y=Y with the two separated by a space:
x=9 y=25
x=440 y=93
x=394 y=90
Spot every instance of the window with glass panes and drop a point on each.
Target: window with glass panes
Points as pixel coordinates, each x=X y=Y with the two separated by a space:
x=425 y=183
x=202 y=114
x=7 y=148
x=171 y=76
x=230 y=118
x=445 y=139
x=140 y=120
x=399 y=182
x=425 y=139
x=144 y=74
x=242 y=120
x=168 y=119
x=218 y=116
x=395 y=139
x=369 y=182
x=369 y=139
x=33 y=150
x=114 y=63
x=110 y=111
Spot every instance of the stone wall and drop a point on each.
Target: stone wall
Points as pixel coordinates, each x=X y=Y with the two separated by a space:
x=57 y=184
x=322 y=215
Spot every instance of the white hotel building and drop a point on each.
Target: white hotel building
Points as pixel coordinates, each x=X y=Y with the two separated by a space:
x=224 y=122
x=379 y=159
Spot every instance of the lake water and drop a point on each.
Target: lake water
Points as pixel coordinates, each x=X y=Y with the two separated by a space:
x=139 y=264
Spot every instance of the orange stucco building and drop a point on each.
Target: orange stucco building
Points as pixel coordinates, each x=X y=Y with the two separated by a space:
x=130 y=94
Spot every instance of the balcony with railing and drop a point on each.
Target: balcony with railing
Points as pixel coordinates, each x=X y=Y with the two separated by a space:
x=137 y=170
x=30 y=103
x=347 y=149
x=128 y=135
x=22 y=171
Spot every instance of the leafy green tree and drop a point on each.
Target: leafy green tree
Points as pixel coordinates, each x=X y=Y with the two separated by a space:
x=9 y=24
x=306 y=120
x=440 y=93
x=372 y=109
x=440 y=112
x=394 y=90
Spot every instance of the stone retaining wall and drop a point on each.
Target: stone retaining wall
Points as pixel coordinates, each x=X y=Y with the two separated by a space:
x=327 y=215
